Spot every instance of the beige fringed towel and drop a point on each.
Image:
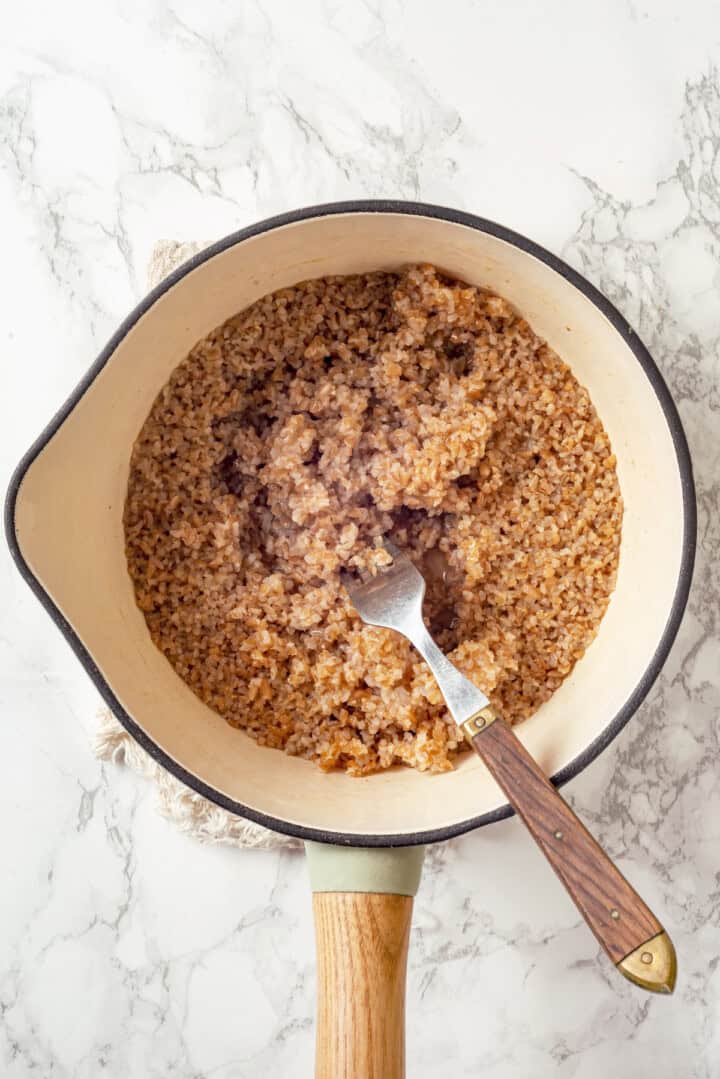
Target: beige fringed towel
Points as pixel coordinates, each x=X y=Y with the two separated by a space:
x=192 y=813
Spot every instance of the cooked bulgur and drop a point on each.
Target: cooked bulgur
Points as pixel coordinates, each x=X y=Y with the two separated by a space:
x=323 y=417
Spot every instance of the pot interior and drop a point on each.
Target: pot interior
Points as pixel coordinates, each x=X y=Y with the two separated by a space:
x=69 y=521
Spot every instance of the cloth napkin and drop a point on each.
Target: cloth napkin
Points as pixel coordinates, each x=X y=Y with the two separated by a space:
x=192 y=813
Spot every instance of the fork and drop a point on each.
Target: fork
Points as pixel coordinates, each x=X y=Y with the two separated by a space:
x=624 y=926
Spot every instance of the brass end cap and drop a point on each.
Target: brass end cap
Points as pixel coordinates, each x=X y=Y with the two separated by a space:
x=653 y=965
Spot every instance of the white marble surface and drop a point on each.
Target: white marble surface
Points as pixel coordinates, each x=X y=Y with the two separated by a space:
x=127 y=950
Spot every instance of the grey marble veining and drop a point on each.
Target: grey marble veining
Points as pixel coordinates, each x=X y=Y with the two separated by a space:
x=125 y=949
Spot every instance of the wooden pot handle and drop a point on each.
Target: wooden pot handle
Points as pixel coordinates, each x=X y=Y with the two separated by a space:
x=625 y=927
x=362 y=946
x=362 y=902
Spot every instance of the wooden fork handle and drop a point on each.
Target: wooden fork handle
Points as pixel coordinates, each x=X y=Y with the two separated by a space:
x=625 y=927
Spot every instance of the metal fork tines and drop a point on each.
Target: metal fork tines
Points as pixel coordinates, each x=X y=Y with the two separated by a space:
x=393 y=600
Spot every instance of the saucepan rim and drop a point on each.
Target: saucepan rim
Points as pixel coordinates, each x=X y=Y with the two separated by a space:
x=628 y=335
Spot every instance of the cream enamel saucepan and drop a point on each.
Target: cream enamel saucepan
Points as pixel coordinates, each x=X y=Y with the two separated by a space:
x=64 y=525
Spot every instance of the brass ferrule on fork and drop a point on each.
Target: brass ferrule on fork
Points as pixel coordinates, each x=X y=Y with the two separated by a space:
x=479 y=722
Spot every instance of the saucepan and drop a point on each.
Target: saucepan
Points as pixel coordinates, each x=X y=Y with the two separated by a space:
x=64 y=524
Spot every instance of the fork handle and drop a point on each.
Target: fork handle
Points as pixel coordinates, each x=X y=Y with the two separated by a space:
x=625 y=927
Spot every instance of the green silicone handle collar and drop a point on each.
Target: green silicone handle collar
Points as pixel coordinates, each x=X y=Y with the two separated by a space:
x=388 y=870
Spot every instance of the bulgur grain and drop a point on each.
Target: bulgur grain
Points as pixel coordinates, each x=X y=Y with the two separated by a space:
x=306 y=427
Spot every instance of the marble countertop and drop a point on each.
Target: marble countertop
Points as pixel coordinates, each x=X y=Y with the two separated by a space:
x=128 y=950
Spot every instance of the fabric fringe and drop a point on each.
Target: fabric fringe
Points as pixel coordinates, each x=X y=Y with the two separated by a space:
x=190 y=812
